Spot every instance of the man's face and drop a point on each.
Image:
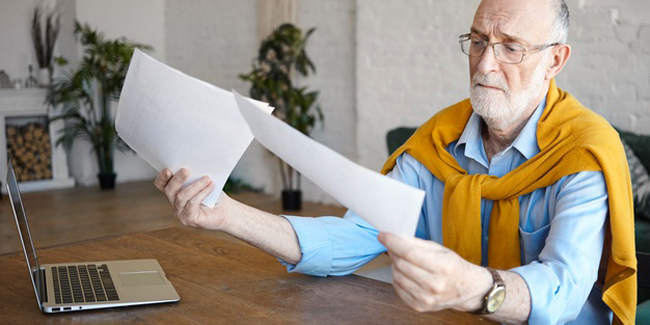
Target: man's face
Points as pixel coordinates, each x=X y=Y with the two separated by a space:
x=500 y=91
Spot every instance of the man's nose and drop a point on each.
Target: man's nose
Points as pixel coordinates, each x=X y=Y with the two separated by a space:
x=488 y=61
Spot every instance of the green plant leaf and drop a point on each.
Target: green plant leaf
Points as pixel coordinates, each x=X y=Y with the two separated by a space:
x=84 y=95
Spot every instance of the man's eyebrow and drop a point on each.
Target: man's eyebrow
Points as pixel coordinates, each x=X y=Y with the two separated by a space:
x=506 y=37
x=476 y=31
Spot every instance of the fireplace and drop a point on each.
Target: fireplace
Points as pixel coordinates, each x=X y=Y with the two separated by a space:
x=28 y=146
x=27 y=137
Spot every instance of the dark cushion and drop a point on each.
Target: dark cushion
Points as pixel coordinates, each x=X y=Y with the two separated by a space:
x=642 y=235
x=640 y=183
x=395 y=138
x=643 y=272
x=640 y=144
x=643 y=313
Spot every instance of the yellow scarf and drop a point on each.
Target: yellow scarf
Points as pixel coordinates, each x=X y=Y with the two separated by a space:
x=572 y=139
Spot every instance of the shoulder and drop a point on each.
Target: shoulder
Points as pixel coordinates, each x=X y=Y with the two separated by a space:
x=448 y=116
x=407 y=164
x=570 y=119
x=572 y=116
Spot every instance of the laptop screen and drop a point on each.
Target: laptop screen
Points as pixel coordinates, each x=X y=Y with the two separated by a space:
x=23 y=228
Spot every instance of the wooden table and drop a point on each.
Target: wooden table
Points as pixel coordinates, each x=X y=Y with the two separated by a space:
x=220 y=282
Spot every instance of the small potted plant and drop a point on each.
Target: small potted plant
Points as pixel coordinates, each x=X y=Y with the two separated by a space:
x=84 y=96
x=280 y=57
x=45 y=31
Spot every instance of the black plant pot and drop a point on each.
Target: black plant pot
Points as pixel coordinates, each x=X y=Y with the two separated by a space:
x=107 y=181
x=291 y=200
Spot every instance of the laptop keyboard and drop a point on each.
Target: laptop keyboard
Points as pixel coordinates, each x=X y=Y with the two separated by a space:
x=83 y=283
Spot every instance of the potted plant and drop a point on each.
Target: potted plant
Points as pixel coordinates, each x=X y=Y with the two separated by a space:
x=45 y=31
x=85 y=95
x=280 y=57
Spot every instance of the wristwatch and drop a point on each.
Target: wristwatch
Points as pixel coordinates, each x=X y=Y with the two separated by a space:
x=496 y=296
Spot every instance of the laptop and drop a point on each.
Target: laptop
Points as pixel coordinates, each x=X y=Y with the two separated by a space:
x=88 y=285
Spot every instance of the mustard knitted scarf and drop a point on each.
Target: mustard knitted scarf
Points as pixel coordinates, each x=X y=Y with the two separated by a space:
x=572 y=139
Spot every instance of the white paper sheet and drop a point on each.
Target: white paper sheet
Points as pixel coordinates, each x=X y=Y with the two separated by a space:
x=173 y=120
x=385 y=203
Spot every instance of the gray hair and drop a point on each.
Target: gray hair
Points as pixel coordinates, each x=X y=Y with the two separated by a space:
x=560 y=31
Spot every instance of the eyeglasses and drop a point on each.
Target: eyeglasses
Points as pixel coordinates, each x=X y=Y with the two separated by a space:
x=511 y=53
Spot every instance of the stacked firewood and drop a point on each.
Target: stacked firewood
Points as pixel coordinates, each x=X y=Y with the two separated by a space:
x=29 y=148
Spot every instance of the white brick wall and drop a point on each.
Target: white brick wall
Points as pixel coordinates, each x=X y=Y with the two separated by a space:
x=217 y=40
x=609 y=70
x=332 y=48
x=381 y=63
x=409 y=66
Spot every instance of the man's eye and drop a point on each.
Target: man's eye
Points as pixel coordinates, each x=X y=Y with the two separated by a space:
x=512 y=48
x=477 y=42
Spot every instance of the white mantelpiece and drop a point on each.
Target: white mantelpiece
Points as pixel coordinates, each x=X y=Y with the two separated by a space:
x=31 y=102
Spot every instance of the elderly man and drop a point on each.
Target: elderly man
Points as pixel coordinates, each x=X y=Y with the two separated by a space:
x=527 y=193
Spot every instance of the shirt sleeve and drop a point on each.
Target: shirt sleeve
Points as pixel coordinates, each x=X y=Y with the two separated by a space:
x=562 y=278
x=340 y=246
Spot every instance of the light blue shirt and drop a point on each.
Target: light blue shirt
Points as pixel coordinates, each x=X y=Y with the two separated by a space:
x=562 y=228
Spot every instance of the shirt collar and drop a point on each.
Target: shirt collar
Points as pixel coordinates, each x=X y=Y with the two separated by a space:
x=525 y=143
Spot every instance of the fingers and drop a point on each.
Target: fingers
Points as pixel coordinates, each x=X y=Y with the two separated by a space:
x=162 y=179
x=406 y=283
x=419 y=281
x=421 y=289
x=419 y=252
x=428 y=276
x=411 y=271
x=414 y=296
x=177 y=196
x=404 y=294
x=183 y=196
x=174 y=185
x=403 y=245
x=191 y=209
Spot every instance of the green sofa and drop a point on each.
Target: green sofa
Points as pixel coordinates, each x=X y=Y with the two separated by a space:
x=640 y=144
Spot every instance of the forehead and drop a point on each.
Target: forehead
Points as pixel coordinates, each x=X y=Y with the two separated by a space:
x=514 y=20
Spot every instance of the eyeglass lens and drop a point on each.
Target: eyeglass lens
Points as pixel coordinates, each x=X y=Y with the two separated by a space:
x=504 y=52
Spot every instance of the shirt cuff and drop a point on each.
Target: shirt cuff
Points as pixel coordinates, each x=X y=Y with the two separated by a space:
x=315 y=247
x=537 y=279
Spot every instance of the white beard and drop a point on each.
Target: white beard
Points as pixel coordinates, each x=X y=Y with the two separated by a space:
x=500 y=109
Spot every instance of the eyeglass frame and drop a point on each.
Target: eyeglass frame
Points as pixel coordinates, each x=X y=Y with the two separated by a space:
x=535 y=49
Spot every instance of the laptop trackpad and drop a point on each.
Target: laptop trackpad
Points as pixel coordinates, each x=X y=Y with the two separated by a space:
x=137 y=279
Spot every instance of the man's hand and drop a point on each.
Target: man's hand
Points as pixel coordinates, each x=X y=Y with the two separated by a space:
x=430 y=277
x=186 y=202
x=266 y=231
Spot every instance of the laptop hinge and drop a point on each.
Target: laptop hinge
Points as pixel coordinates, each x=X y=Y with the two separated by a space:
x=41 y=284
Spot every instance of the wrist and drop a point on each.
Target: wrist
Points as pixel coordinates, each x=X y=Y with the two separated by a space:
x=477 y=289
x=219 y=214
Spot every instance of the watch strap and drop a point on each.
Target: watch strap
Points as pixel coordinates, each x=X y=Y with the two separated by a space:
x=497 y=282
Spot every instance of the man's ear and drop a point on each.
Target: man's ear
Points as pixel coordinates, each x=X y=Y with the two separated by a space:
x=560 y=56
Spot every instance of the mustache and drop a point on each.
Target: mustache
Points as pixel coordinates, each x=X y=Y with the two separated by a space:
x=490 y=80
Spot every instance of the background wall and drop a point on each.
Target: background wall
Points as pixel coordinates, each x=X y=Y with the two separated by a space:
x=409 y=66
x=217 y=40
x=609 y=70
x=16 y=49
x=139 y=21
x=381 y=63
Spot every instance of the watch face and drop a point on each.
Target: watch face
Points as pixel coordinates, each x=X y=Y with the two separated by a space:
x=495 y=300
